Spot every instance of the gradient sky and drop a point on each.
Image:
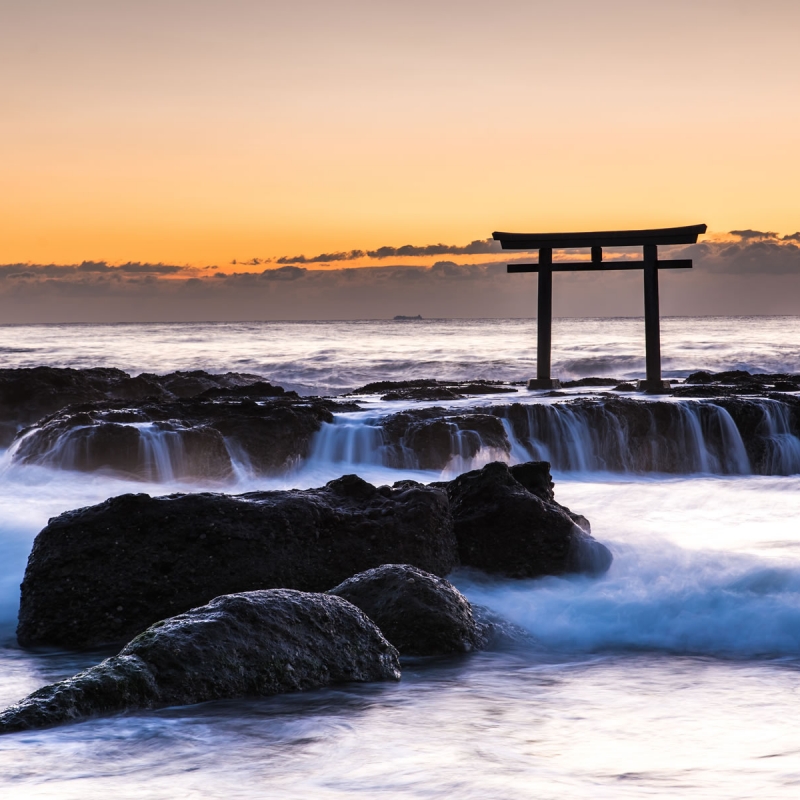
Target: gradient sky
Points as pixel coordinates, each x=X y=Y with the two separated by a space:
x=199 y=133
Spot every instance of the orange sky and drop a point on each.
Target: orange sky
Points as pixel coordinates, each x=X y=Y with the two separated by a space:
x=198 y=132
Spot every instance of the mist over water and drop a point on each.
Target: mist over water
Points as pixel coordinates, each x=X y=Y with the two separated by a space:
x=675 y=673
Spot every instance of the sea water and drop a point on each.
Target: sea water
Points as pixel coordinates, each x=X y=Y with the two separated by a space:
x=676 y=673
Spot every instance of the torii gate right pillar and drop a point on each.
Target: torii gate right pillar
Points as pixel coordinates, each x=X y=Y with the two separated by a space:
x=652 y=323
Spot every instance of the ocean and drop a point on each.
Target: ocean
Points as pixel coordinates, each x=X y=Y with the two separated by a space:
x=676 y=673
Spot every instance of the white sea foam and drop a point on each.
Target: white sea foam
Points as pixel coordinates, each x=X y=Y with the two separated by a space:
x=659 y=598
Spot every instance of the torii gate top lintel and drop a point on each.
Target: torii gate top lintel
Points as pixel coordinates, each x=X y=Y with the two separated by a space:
x=648 y=239
x=533 y=241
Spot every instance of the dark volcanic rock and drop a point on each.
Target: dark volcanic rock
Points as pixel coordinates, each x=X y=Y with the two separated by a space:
x=419 y=613
x=385 y=386
x=252 y=644
x=102 y=574
x=502 y=527
x=27 y=395
x=430 y=437
x=190 y=439
x=422 y=393
x=140 y=388
x=431 y=389
x=256 y=391
x=590 y=382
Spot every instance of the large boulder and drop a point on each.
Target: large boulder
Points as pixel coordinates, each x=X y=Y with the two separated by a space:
x=503 y=527
x=252 y=644
x=419 y=613
x=102 y=574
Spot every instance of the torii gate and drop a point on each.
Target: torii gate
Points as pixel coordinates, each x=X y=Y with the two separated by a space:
x=649 y=240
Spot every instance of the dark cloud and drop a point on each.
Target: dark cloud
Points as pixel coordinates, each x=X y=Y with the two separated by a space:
x=749 y=234
x=477 y=247
x=284 y=273
x=757 y=254
x=451 y=270
x=253 y=262
x=323 y=258
x=152 y=269
x=91 y=268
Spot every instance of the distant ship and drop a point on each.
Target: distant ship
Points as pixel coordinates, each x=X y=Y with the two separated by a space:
x=401 y=317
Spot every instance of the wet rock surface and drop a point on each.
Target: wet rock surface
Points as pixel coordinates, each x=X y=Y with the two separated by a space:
x=503 y=527
x=102 y=574
x=430 y=438
x=249 y=644
x=30 y=394
x=419 y=613
x=427 y=389
x=581 y=382
x=736 y=382
x=178 y=439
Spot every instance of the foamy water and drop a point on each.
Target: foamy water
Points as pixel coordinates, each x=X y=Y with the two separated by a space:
x=674 y=674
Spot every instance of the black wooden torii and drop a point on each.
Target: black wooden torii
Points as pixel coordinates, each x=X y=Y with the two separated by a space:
x=649 y=240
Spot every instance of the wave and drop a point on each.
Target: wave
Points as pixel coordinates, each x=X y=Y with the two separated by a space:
x=658 y=597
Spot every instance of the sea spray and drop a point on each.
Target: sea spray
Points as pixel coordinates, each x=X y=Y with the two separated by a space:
x=658 y=597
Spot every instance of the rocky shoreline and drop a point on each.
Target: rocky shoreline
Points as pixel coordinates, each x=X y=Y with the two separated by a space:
x=222 y=596
x=196 y=426
x=229 y=596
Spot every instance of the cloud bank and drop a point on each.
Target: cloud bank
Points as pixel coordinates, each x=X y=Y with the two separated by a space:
x=746 y=272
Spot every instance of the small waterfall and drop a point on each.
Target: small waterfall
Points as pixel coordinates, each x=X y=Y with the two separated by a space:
x=450 y=448
x=347 y=441
x=692 y=439
x=519 y=452
x=470 y=452
x=782 y=451
x=681 y=438
x=241 y=463
x=724 y=436
x=161 y=453
x=732 y=458
x=157 y=452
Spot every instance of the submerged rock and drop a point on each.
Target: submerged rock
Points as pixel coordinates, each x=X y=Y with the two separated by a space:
x=102 y=574
x=419 y=613
x=250 y=644
x=503 y=527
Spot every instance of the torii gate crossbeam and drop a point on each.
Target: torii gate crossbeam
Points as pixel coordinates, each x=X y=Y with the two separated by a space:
x=649 y=240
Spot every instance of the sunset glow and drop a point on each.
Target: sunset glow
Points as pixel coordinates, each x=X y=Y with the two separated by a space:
x=202 y=133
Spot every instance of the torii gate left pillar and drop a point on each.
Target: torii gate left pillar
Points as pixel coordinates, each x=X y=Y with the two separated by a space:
x=649 y=240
